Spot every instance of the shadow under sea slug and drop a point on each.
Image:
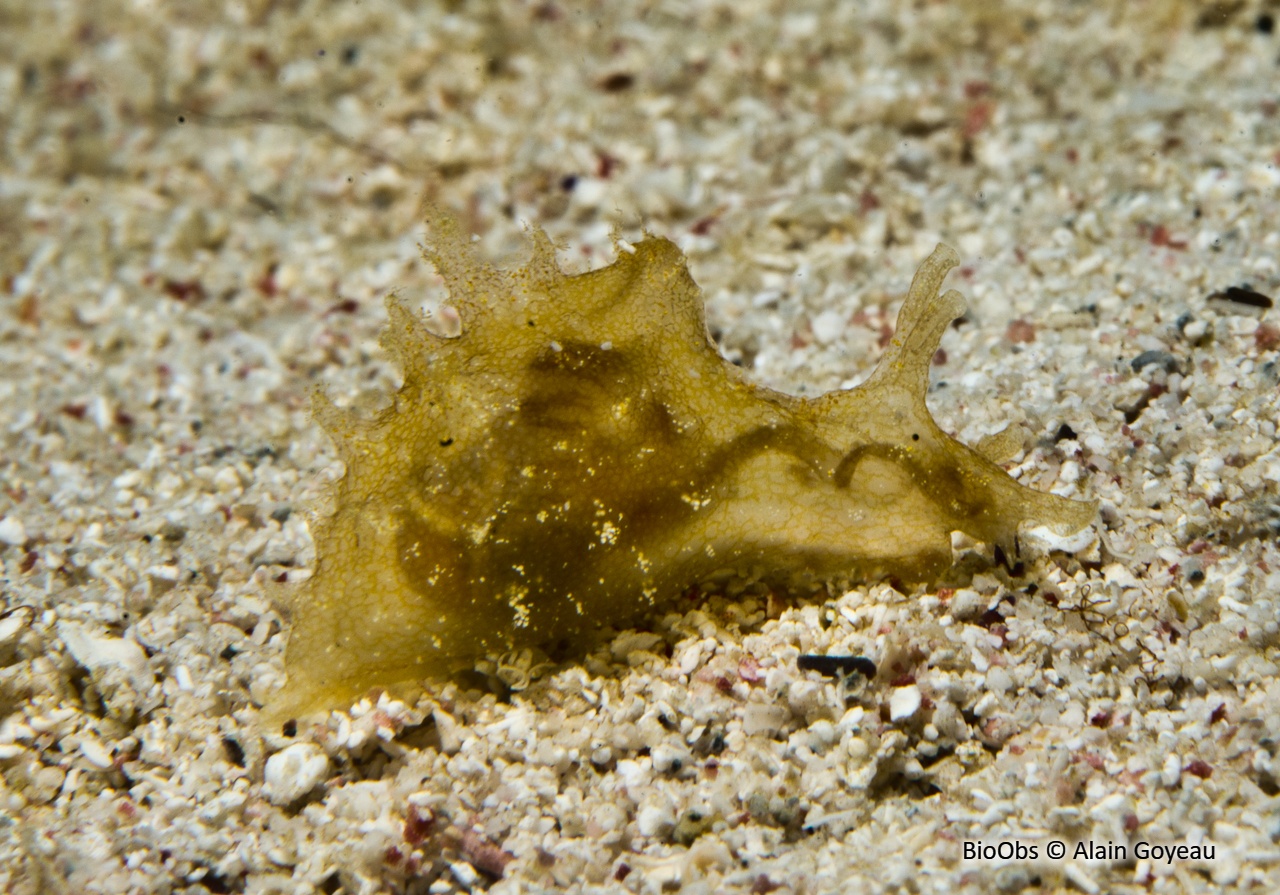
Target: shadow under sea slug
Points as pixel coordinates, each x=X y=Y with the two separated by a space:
x=580 y=453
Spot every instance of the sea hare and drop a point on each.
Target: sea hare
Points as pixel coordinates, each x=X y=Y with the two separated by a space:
x=580 y=453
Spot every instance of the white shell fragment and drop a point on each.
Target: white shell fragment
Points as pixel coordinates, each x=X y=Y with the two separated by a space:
x=293 y=772
x=12 y=625
x=118 y=665
x=763 y=718
x=904 y=702
x=12 y=531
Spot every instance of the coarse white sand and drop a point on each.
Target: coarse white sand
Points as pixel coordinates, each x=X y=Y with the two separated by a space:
x=202 y=206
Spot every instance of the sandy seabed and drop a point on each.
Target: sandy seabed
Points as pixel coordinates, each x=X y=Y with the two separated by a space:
x=202 y=207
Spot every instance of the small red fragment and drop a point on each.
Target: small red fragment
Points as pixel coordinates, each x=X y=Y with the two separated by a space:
x=991 y=619
x=763 y=885
x=605 y=165
x=1160 y=236
x=1199 y=768
x=184 y=290
x=703 y=226
x=978 y=117
x=1266 y=336
x=418 y=825
x=484 y=855
x=1021 y=332
x=266 y=284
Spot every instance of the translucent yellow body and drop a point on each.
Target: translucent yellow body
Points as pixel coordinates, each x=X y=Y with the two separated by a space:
x=581 y=454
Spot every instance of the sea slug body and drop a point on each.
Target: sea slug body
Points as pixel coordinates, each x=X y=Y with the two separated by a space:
x=580 y=452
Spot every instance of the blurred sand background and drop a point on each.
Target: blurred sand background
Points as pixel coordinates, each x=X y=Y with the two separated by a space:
x=202 y=206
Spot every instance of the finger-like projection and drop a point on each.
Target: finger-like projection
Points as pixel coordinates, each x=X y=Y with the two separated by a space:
x=580 y=453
